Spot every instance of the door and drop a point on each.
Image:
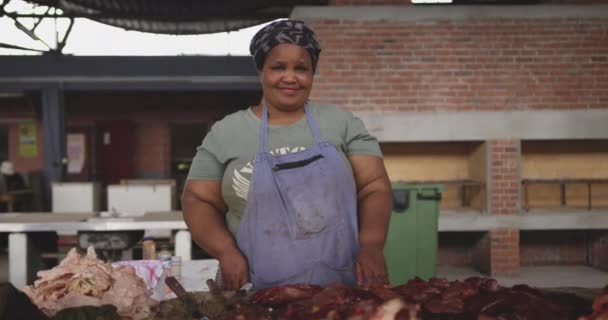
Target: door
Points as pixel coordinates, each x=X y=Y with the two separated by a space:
x=116 y=152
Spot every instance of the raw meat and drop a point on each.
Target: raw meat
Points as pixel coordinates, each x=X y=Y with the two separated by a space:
x=86 y=280
x=600 y=307
x=285 y=294
x=437 y=299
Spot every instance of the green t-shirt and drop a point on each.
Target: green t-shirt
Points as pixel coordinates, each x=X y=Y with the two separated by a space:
x=228 y=150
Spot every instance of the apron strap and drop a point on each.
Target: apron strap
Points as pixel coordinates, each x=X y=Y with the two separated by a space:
x=310 y=119
x=312 y=124
x=264 y=129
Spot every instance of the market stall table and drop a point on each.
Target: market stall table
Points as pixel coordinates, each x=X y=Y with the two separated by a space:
x=18 y=225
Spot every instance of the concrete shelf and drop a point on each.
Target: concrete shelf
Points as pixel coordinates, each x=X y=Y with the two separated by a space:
x=462 y=220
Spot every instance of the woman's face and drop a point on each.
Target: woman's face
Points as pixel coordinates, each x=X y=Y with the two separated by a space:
x=287 y=77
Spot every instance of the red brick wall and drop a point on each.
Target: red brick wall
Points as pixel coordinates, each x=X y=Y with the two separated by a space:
x=454 y=256
x=463 y=65
x=152 y=150
x=553 y=247
x=153 y=113
x=456 y=248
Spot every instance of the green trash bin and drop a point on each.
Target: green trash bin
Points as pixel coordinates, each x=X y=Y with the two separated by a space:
x=411 y=244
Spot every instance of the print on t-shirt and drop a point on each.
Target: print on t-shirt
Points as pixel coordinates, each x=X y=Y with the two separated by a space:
x=242 y=177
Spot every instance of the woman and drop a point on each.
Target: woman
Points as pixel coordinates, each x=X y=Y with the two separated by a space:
x=290 y=191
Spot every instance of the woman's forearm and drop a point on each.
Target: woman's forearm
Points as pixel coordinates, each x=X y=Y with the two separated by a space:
x=207 y=226
x=375 y=205
x=374 y=199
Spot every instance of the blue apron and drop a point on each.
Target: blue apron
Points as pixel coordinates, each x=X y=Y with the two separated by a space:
x=301 y=215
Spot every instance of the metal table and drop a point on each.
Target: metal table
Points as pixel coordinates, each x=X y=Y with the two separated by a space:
x=18 y=225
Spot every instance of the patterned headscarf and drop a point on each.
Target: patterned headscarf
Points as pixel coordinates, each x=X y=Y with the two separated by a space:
x=284 y=31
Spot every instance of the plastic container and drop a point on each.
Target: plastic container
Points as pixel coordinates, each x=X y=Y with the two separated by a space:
x=149 y=249
x=164 y=254
x=176 y=267
x=411 y=244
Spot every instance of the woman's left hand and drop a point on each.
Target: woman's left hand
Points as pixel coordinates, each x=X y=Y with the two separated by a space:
x=371 y=267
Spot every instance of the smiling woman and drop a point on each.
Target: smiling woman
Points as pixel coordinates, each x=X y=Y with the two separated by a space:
x=290 y=190
x=287 y=78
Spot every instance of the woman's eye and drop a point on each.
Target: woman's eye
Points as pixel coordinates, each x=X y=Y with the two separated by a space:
x=276 y=68
x=302 y=68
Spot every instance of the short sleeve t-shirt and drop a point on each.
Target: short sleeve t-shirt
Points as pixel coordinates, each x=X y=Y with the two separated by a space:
x=229 y=149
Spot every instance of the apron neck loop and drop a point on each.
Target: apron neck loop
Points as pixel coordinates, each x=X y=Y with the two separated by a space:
x=264 y=134
x=264 y=129
x=316 y=133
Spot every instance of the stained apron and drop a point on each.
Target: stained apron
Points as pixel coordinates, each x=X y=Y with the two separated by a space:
x=300 y=223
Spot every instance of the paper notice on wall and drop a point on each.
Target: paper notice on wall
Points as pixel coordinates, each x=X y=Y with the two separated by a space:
x=76 y=152
x=28 y=144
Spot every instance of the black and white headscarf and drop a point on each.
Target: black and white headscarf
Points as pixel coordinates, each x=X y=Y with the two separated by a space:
x=284 y=31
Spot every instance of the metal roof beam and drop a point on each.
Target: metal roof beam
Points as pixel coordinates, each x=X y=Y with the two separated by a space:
x=128 y=73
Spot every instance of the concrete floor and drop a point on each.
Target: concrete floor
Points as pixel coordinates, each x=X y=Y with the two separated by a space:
x=538 y=276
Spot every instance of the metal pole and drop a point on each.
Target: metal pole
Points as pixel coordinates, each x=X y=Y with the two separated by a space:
x=53 y=129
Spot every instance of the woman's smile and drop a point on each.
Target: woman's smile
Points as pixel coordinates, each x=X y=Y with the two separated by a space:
x=289 y=91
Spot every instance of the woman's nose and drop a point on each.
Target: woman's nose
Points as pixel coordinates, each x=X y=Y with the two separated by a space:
x=289 y=76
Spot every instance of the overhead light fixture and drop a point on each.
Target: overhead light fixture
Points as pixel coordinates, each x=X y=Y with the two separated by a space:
x=430 y=1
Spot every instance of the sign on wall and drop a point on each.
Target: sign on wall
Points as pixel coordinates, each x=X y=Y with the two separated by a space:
x=76 y=152
x=28 y=144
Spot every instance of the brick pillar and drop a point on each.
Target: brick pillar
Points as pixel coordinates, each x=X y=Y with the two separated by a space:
x=503 y=180
x=504 y=158
x=504 y=252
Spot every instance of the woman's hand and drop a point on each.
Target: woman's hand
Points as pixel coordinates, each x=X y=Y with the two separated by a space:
x=371 y=267
x=234 y=270
x=204 y=213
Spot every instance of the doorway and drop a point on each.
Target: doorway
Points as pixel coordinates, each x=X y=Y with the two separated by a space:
x=3 y=143
x=116 y=142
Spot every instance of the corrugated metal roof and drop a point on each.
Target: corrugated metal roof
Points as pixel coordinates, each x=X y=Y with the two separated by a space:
x=179 y=16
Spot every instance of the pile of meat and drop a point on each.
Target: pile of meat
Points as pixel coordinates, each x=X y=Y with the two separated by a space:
x=600 y=307
x=86 y=280
x=437 y=299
